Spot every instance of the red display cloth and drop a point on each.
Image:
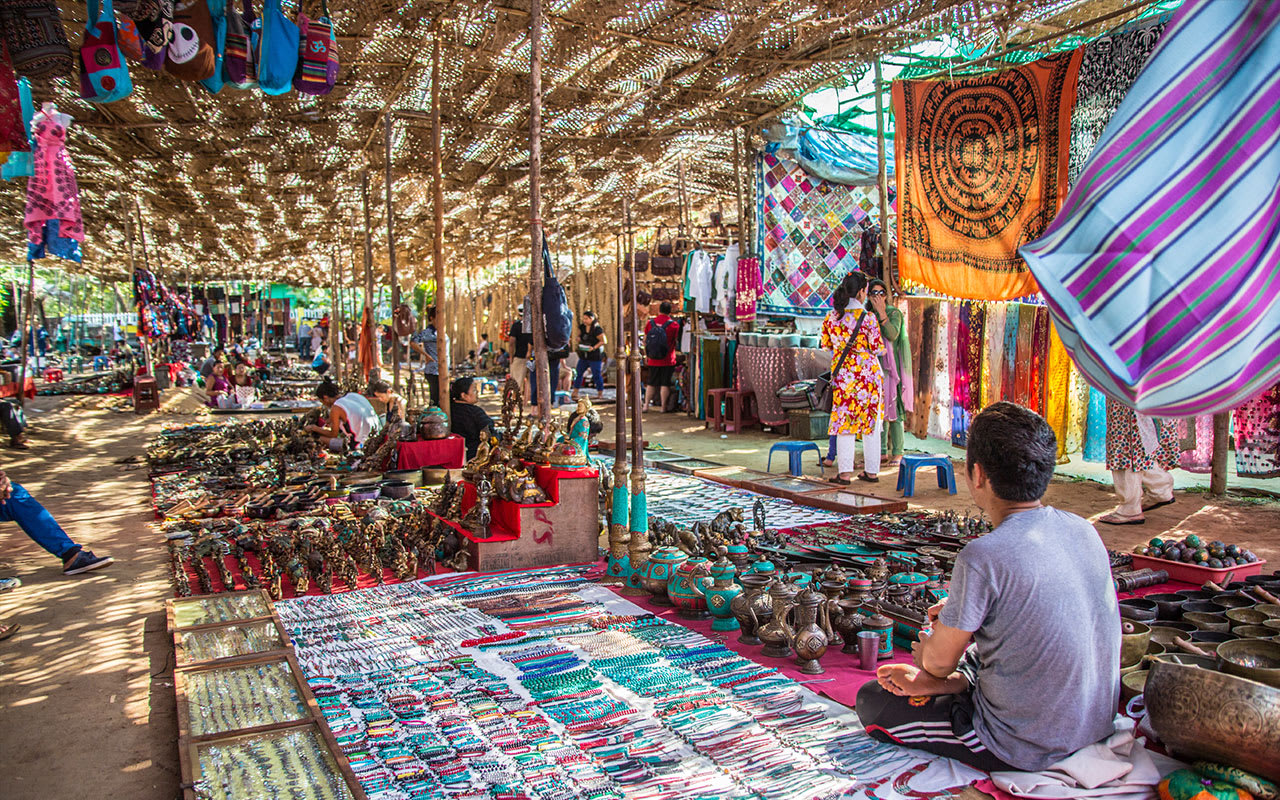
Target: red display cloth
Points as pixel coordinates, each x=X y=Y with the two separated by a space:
x=846 y=678
x=11 y=389
x=447 y=453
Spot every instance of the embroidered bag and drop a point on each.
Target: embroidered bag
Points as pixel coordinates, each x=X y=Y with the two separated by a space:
x=237 y=55
x=104 y=77
x=35 y=38
x=14 y=134
x=277 y=49
x=191 y=55
x=127 y=36
x=154 y=22
x=317 y=59
x=218 y=12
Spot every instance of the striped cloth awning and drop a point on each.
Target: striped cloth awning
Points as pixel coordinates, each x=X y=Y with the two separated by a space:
x=1162 y=270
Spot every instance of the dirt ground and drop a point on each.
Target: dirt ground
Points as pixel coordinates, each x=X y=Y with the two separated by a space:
x=86 y=686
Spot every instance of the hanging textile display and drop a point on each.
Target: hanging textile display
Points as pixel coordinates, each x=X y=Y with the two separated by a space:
x=940 y=408
x=981 y=167
x=1058 y=390
x=922 y=333
x=1258 y=436
x=1095 y=440
x=1109 y=66
x=52 y=216
x=993 y=359
x=1009 y=365
x=811 y=233
x=13 y=131
x=1190 y=162
x=1197 y=443
x=1077 y=408
x=749 y=289
x=1039 y=360
x=1022 y=360
x=966 y=380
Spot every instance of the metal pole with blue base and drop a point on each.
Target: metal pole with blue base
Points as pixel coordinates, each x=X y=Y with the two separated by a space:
x=619 y=569
x=638 y=547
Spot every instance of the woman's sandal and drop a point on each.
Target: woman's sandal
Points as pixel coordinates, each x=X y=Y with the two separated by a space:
x=863 y=476
x=8 y=630
x=841 y=481
x=1116 y=519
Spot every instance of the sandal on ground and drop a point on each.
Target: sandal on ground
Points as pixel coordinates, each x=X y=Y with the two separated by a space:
x=863 y=476
x=1157 y=504
x=8 y=630
x=840 y=481
x=1116 y=519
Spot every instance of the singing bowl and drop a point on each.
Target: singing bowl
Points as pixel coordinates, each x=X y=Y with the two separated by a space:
x=1253 y=659
x=1168 y=606
x=1131 y=685
x=1245 y=616
x=1233 y=600
x=1207 y=622
x=1201 y=607
x=1134 y=639
x=1255 y=632
x=1270 y=609
x=1138 y=608
x=1203 y=662
x=1203 y=714
x=1165 y=633
x=1197 y=594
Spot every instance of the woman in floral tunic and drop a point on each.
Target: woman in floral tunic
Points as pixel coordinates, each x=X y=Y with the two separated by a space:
x=857 y=401
x=1133 y=468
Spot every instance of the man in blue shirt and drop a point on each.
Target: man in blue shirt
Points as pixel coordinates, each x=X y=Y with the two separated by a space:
x=425 y=342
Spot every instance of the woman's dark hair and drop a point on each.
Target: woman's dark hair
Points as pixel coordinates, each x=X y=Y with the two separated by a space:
x=1016 y=448
x=327 y=388
x=848 y=289
x=460 y=387
x=377 y=387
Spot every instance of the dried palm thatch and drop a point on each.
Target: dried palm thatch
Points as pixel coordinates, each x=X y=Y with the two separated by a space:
x=243 y=186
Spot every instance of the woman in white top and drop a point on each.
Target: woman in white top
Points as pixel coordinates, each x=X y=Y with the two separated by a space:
x=349 y=415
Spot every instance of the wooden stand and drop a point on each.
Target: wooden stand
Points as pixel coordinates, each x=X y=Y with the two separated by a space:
x=146 y=394
x=563 y=530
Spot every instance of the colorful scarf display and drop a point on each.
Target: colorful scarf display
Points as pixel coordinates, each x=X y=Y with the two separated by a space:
x=943 y=359
x=1258 y=436
x=981 y=166
x=922 y=333
x=1039 y=360
x=1009 y=367
x=1057 y=390
x=1095 y=440
x=1189 y=163
x=749 y=289
x=960 y=378
x=993 y=361
x=1197 y=443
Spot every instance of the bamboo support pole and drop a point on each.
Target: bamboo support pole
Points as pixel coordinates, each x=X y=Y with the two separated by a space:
x=1218 y=468
x=391 y=255
x=882 y=183
x=26 y=332
x=541 y=372
x=437 y=239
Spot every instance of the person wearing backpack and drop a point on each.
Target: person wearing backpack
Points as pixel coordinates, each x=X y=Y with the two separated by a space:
x=661 y=342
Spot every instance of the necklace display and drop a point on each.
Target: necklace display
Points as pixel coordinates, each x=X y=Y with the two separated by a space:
x=234 y=698
x=531 y=684
x=292 y=765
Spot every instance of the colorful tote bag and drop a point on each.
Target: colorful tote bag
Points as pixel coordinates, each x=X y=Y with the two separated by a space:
x=238 y=67
x=14 y=132
x=277 y=49
x=318 y=58
x=35 y=38
x=153 y=20
x=104 y=77
x=218 y=11
x=191 y=55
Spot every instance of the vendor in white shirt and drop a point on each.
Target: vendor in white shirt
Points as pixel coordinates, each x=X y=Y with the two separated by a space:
x=350 y=416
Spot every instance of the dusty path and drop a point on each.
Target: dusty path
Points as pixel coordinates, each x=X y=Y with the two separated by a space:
x=86 y=689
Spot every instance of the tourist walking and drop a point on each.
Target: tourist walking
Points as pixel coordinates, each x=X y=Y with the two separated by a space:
x=899 y=384
x=426 y=342
x=857 y=403
x=591 y=349
x=521 y=340
x=1140 y=452
x=17 y=505
x=661 y=343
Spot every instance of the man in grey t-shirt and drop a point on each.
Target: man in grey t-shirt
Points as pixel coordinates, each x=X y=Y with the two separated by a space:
x=1022 y=665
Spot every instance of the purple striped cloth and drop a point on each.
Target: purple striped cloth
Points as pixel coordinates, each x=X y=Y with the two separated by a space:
x=1162 y=270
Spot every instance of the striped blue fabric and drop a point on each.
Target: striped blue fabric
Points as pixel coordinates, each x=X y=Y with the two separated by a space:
x=1162 y=270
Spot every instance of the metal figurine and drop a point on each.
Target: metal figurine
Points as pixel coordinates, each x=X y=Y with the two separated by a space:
x=639 y=547
x=619 y=569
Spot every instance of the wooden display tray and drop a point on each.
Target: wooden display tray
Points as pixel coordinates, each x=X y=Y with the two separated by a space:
x=176 y=601
x=737 y=477
x=688 y=466
x=181 y=659
x=189 y=755
x=788 y=487
x=846 y=501
x=180 y=678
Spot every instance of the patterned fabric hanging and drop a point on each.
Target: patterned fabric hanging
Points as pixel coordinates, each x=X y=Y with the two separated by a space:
x=1189 y=163
x=1039 y=360
x=1058 y=390
x=1095 y=439
x=981 y=168
x=749 y=288
x=993 y=360
x=1009 y=367
x=940 y=408
x=1258 y=436
x=922 y=326
x=1077 y=410
x=1196 y=443
x=960 y=378
x=1022 y=363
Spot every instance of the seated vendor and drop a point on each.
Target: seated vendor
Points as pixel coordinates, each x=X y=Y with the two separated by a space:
x=394 y=404
x=1021 y=667
x=349 y=415
x=218 y=388
x=467 y=419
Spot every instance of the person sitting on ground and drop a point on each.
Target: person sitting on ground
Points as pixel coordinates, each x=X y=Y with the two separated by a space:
x=15 y=424
x=321 y=361
x=394 y=404
x=1021 y=667
x=218 y=388
x=349 y=415
x=242 y=387
x=206 y=369
x=467 y=419
x=17 y=505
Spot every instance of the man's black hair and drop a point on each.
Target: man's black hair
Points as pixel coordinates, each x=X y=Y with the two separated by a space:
x=327 y=388
x=664 y=308
x=1016 y=449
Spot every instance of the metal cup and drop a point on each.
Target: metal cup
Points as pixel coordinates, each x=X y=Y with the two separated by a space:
x=868 y=649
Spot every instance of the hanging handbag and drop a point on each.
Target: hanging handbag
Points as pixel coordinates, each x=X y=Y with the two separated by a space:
x=14 y=136
x=154 y=22
x=191 y=55
x=277 y=50
x=218 y=12
x=21 y=163
x=237 y=53
x=35 y=38
x=641 y=259
x=557 y=319
x=104 y=77
x=318 y=54
x=822 y=384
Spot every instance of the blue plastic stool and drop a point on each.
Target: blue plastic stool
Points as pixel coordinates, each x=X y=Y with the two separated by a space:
x=907 y=472
x=488 y=385
x=562 y=398
x=795 y=451
x=101 y=363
